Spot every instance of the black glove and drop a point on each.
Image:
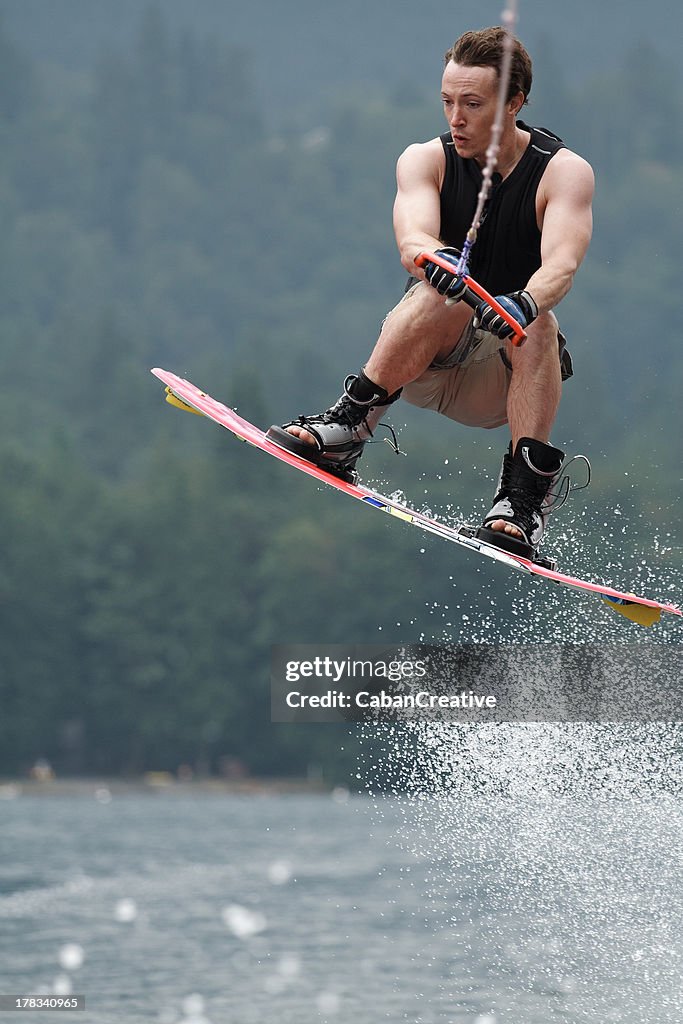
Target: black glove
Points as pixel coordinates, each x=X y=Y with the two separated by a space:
x=446 y=282
x=520 y=306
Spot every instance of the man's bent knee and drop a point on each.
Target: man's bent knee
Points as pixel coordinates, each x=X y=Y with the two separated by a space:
x=543 y=334
x=545 y=327
x=426 y=305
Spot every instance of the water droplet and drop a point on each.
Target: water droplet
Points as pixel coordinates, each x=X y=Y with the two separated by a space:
x=62 y=985
x=279 y=872
x=243 y=922
x=71 y=956
x=125 y=910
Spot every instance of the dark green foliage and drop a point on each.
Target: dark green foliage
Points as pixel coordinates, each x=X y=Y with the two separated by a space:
x=151 y=214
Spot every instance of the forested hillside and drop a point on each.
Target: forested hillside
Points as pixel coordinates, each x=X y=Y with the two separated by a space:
x=154 y=213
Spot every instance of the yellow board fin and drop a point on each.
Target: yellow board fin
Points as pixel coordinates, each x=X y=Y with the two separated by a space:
x=179 y=404
x=643 y=614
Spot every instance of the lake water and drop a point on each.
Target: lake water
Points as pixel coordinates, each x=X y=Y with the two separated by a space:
x=188 y=906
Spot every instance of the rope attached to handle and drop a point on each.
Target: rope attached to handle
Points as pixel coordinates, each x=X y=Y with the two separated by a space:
x=509 y=17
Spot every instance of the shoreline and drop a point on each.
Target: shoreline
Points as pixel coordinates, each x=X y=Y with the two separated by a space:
x=160 y=784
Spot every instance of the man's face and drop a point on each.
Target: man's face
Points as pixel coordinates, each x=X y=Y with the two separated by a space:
x=469 y=98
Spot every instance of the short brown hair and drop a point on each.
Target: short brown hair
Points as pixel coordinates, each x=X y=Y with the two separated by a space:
x=485 y=49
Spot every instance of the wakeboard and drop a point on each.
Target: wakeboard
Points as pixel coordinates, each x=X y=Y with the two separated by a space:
x=181 y=393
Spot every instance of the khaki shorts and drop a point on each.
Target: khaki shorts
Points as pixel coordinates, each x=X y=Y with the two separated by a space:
x=471 y=384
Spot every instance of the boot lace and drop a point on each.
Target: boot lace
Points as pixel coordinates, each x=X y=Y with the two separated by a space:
x=349 y=412
x=524 y=503
x=565 y=484
x=531 y=501
x=344 y=410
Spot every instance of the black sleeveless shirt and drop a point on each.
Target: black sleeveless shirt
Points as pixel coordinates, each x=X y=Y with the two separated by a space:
x=508 y=247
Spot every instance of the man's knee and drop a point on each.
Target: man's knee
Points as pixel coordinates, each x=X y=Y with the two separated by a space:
x=542 y=334
x=423 y=310
x=545 y=327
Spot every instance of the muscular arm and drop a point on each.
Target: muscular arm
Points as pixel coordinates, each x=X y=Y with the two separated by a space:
x=567 y=226
x=417 y=211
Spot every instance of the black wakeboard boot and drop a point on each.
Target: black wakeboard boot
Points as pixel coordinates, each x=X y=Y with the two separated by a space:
x=342 y=431
x=523 y=496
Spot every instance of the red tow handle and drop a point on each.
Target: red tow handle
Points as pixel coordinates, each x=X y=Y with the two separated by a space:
x=475 y=294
